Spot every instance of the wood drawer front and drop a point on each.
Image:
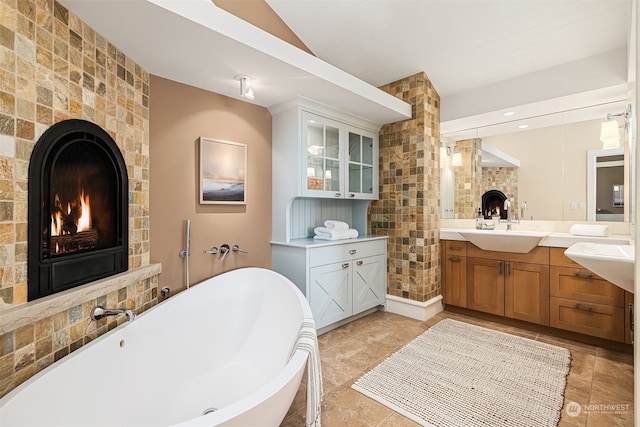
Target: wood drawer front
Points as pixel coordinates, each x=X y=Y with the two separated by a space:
x=558 y=257
x=346 y=252
x=582 y=285
x=538 y=255
x=455 y=248
x=597 y=320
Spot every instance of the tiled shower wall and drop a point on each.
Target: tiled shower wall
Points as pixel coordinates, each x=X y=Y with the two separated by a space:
x=55 y=67
x=408 y=210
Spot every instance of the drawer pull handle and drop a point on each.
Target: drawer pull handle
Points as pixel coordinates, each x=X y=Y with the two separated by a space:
x=455 y=259
x=360 y=262
x=584 y=307
x=345 y=265
x=352 y=252
x=508 y=268
x=455 y=248
x=499 y=268
x=584 y=275
x=337 y=195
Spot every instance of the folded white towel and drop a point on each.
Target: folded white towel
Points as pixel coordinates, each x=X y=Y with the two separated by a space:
x=338 y=225
x=589 y=230
x=323 y=233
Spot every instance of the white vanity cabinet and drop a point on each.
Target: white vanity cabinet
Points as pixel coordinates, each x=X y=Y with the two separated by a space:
x=341 y=279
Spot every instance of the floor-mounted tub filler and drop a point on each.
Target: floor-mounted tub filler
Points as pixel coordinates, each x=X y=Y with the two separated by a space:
x=230 y=351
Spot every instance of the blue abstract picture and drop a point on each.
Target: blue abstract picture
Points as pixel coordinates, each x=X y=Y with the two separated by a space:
x=222 y=171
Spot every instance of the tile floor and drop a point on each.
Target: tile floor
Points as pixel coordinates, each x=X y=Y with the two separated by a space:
x=597 y=376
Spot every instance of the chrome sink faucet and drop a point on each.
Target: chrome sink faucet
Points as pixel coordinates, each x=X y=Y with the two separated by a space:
x=99 y=312
x=510 y=220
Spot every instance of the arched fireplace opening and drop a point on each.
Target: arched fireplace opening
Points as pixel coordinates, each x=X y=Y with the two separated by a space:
x=493 y=204
x=78 y=208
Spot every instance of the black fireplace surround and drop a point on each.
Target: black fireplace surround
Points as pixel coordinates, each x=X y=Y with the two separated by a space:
x=78 y=208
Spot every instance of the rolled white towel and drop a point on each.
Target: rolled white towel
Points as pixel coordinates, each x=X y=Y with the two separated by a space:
x=323 y=233
x=589 y=230
x=338 y=225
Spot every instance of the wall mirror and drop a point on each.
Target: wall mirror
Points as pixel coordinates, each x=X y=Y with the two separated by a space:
x=551 y=165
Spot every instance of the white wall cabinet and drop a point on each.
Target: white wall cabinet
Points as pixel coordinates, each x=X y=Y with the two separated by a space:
x=341 y=279
x=320 y=153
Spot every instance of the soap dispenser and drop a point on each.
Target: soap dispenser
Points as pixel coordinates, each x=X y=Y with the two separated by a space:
x=479 y=220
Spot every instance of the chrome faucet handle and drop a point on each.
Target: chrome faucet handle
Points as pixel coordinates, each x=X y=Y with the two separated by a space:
x=236 y=248
x=211 y=251
x=224 y=250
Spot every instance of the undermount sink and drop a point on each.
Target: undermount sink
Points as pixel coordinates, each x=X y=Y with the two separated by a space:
x=614 y=263
x=504 y=240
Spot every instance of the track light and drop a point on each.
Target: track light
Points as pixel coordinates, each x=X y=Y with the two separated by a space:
x=246 y=91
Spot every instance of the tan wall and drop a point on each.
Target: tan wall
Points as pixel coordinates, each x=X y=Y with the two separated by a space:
x=179 y=115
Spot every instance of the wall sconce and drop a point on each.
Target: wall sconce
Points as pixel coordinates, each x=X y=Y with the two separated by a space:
x=610 y=129
x=327 y=174
x=445 y=152
x=456 y=159
x=246 y=91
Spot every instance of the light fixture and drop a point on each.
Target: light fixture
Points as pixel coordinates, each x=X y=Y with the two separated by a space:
x=246 y=91
x=610 y=129
x=523 y=126
x=609 y=134
x=456 y=159
x=508 y=113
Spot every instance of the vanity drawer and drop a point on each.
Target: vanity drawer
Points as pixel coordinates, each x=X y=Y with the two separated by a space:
x=346 y=252
x=597 y=320
x=580 y=284
x=456 y=248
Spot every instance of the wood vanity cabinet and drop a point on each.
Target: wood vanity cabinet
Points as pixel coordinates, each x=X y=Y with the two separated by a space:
x=583 y=302
x=542 y=286
x=509 y=284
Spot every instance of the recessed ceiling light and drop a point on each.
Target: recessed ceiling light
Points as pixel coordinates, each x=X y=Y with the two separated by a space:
x=508 y=113
x=523 y=126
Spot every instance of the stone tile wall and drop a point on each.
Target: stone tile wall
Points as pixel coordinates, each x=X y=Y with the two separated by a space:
x=467 y=179
x=408 y=210
x=54 y=67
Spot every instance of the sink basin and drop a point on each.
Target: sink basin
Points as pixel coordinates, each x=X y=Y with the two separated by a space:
x=504 y=241
x=614 y=263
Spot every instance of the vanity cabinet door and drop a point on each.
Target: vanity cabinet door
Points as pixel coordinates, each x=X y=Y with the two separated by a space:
x=485 y=290
x=455 y=280
x=527 y=292
x=369 y=283
x=330 y=293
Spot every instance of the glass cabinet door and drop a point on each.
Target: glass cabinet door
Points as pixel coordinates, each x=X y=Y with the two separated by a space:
x=362 y=154
x=323 y=168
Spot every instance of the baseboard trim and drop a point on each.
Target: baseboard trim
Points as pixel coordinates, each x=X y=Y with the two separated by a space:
x=416 y=310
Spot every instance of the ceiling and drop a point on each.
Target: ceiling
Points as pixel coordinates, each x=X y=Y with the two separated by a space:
x=481 y=55
x=484 y=57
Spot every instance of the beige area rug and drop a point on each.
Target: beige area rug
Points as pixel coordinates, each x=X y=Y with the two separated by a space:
x=456 y=374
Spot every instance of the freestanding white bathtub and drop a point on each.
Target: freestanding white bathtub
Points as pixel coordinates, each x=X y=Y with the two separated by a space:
x=224 y=343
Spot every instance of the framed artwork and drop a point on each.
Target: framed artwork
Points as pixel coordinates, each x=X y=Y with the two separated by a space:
x=222 y=172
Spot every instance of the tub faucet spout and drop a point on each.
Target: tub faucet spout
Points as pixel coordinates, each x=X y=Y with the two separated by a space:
x=99 y=312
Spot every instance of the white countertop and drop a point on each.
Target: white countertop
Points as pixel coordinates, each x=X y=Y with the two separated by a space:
x=311 y=242
x=554 y=239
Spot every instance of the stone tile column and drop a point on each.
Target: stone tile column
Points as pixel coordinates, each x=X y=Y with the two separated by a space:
x=408 y=210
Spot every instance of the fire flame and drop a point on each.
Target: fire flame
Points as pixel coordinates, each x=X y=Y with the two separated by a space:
x=83 y=223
